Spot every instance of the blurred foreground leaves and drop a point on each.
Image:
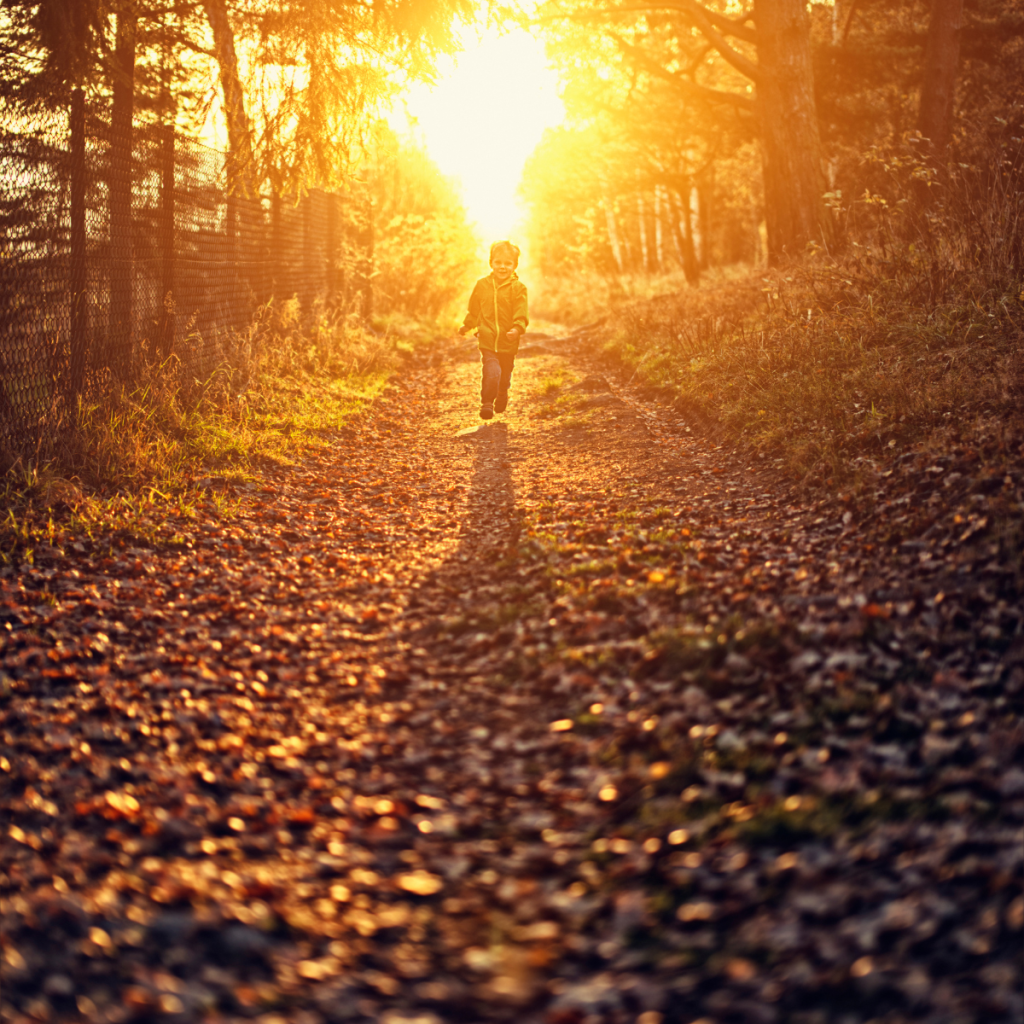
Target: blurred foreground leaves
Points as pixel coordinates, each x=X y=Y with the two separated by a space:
x=568 y=719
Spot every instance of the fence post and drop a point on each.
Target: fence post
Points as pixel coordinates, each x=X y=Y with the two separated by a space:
x=167 y=327
x=275 y=244
x=120 y=321
x=308 y=288
x=367 y=261
x=231 y=275
x=77 y=271
x=332 y=246
x=119 y=354
x=261 y=250
x=232 y=232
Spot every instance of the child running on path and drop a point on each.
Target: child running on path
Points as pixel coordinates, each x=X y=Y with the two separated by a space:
x=497 y=309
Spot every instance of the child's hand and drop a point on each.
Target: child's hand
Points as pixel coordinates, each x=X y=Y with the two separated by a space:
x=513 y=335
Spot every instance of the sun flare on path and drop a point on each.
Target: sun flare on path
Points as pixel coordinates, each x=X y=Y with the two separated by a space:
x=484 y=117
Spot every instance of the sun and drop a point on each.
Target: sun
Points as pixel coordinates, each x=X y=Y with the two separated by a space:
x=484 y=117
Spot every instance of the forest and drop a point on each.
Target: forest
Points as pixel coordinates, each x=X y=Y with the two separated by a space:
x=652 y=655
x=885 y=229
x=671 y=159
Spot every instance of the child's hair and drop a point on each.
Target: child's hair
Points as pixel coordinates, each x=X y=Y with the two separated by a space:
x=507 y=246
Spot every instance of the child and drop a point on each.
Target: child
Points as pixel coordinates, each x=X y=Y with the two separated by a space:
x=497 y=309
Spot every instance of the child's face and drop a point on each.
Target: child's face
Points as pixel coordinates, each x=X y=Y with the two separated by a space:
x=502 y=265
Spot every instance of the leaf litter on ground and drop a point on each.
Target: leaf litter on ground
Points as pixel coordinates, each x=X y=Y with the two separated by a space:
x=570 y=717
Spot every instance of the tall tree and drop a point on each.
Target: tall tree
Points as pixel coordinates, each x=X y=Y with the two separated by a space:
x=53 y=58
x=794 y=178
x=120 y=181
x=640 y=96
x=768 y=45
x=938 y=84
x=50 y=47
x=302 y=79
x=241 y=172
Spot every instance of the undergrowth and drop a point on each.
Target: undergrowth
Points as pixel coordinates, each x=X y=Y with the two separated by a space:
x=587 y=296
x=912 y=337
x=280 y=390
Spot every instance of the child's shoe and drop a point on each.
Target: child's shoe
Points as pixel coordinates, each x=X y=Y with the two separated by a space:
x=501 y=402
x=486 y=411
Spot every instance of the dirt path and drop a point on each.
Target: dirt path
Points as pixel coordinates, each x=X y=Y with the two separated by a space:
x=565 y=718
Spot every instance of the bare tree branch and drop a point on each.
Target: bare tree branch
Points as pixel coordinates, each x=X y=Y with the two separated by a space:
x=699 y=15
x=849 y=22
x=684 y=84
x=735 y=27
x=738 y=29
x=188 y=44
x=698 y=59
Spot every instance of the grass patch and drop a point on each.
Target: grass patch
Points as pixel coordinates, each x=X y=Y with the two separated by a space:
x=912 y=338
x=144 y=452
x=582 y=298
x=827 y=392
x=552 y=382
x=570 y=406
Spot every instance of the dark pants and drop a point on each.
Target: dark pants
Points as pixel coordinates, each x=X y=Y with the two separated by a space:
x=497 y=374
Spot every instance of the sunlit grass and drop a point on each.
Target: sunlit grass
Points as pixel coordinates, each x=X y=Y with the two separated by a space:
x=554 y=381
x=152 y=451
x=910 y=338
x=823 y=381
x=586 y=296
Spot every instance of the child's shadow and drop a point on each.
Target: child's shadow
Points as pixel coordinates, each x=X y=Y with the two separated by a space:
x=484 y=432
x=490 y=526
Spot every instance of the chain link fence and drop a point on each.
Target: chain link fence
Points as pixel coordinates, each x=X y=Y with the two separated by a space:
x=116 y=253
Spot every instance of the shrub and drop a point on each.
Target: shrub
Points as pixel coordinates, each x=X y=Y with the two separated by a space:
x=914 y=334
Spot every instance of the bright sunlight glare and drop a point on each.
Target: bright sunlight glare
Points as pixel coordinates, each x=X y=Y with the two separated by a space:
x=484 y=117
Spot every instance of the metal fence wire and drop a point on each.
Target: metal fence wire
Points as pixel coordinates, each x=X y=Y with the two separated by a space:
x=117 y=253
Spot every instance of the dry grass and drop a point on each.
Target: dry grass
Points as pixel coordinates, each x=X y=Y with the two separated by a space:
x=278 y=391
x=913 y=337
x=585 y=297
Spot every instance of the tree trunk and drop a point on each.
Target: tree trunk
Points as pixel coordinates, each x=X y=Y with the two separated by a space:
x=121 y=322
x=166 y=236
x=78 y=269
x=307 y=287
x=681 y=201
x=277 y=283
x=659 y=245
x=332 y=247
x=240 y=163
x=613 y=234
x=673 y=226
x=794 y=181
x=695 y=225
x=705 y=193
x=941 y=58
x=626 y=245
x=643 y=233
x=366 y=257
